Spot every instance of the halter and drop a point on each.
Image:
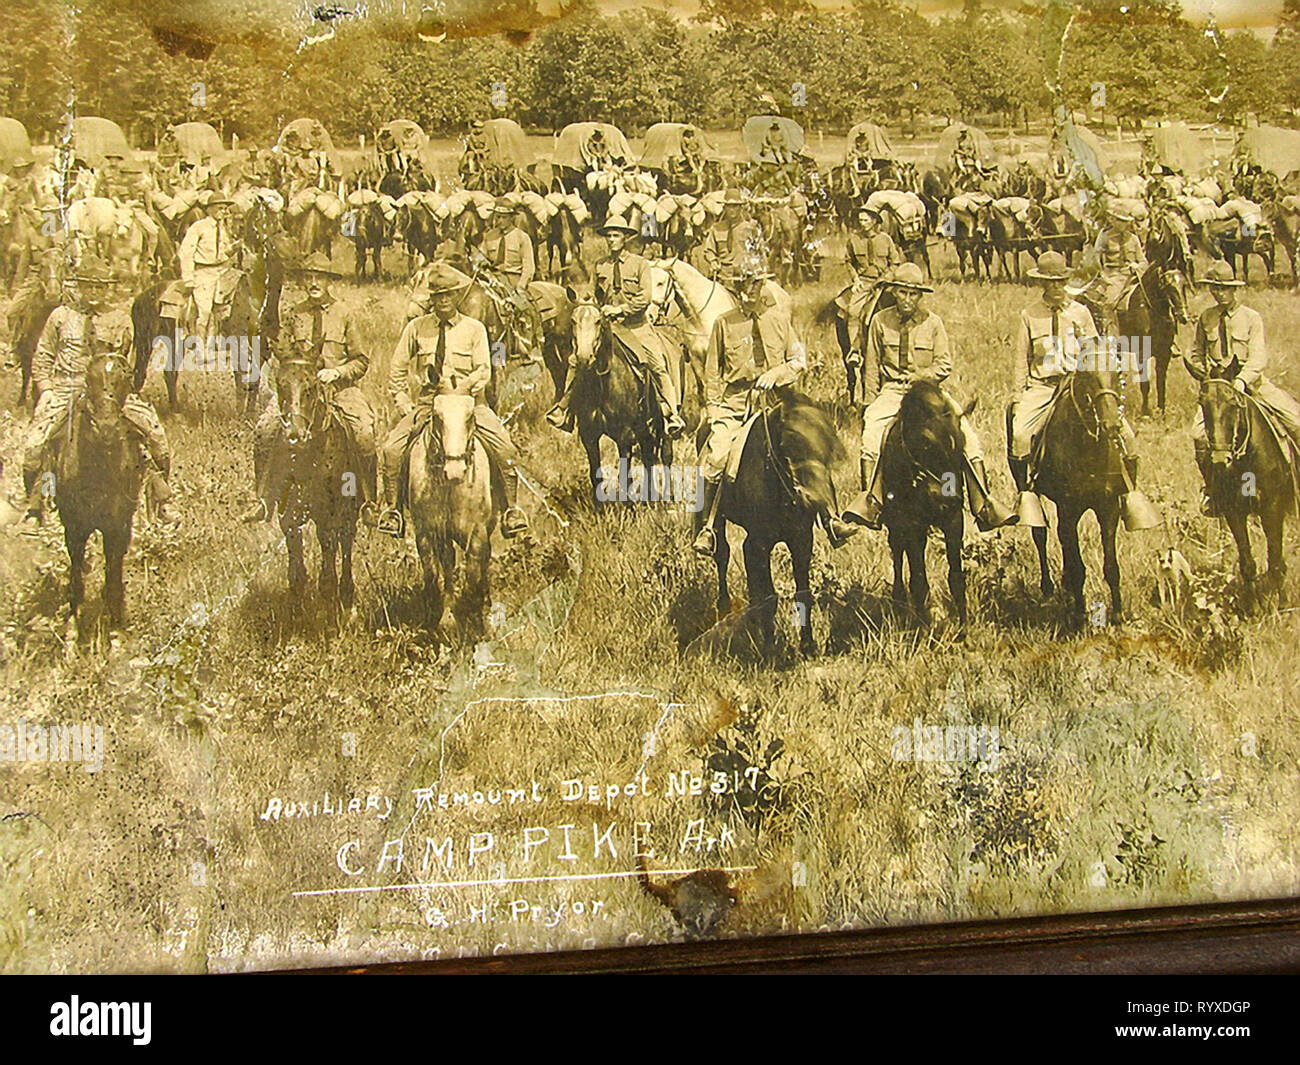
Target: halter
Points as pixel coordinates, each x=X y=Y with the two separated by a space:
x=311 y=401
x=1096 y=430
x=1239 y=400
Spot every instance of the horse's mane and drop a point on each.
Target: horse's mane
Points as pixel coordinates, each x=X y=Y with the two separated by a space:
x=807 y=439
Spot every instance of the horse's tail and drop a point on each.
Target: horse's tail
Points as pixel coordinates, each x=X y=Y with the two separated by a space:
x=807 y=440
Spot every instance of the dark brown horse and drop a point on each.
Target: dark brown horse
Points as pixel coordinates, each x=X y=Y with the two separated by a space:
x=1248 y=474
x=320 y=481
x=609 y=401
x=32 y=306
x=1158 y=305
x=782 y=480
x=97 y=480
x=922 y=471
x=1081 y=469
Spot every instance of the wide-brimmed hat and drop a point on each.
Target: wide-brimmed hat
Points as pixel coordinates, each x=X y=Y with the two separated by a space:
x=504 y=207
x=873 y=211
x=443 y=277
x=618 y=224
x=317 y=263
x=219 y=201
x=94 y=271
x=743 y=271
x=733 y=196
x=1220 y=275
x=1051 y=266
x=908 y=275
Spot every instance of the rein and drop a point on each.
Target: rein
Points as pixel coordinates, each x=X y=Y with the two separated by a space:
x=1240 y=402
x=1096 y=430
x=777 y=461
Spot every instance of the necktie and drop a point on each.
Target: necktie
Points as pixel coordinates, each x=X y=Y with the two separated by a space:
x=500 y=254
x=760 y=349
x=1057 y=351
x=88 y=338
x=1223 y=339
x=440 y=353
x=904 y=342
x=618 y=279
x=317 y=330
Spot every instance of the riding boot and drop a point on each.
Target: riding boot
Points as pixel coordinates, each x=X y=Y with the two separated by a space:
x=513 y=521
x=161 y=493
x=1029 y=508
x=35 y=508
x=866 y=509
x=989 y=513
x=560 y=415
x=706 y=543
x=390 y=522
x=838 y=532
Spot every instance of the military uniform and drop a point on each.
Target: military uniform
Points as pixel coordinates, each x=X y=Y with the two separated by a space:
x=70 y=338
x=726 y=243
x=740 y=350
x=455 y=353
x=206 y=251
x=871 y=258
x=511 y=256
x=1229 y=345
x=1048 y=343
x=1120 y=258
x=329 y=332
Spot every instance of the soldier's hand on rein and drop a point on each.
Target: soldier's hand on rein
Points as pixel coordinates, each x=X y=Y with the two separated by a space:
x=854 y=357
x=327 y=376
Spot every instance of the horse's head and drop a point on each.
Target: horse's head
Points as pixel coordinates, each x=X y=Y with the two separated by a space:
x=453 y=427
x=588 y=329
x=300 y=400
x=1094 y=389
x=931 y=436
x=109 y=377
x=1227 y=419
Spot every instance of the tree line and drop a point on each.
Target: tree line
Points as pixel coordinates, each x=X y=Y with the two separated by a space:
x=1126 y=61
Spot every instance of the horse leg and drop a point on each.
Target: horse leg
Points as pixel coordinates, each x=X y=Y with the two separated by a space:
x=850 y=371
x=297 y=565
x=722 y=559
x=896 y=550
x=596 y=473
x=953 y=533
x=115 y=545
x=1239 y=522
x=431 y=562
x=801 y=547
x=1108 y=520
x=1046 y=586
x=327 y=583
x=75 y=541
x=347 y=588
x=1273 y=518
x=1072 y=569
x=918 y=581
x=762 y=592
x=471 y=601
x=1162 y=376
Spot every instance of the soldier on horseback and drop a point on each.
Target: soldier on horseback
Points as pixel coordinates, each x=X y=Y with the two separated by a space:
x=623 y=291
x=732 y=237
x=1229 y=346
x=207 y=251
x=1121 y=262
x=323 y=328
x=445 y=351
x=1055 y=331
x=909 y=343
x=752 y=348
x=872 y=255
x=508 y=249
x=77 y=330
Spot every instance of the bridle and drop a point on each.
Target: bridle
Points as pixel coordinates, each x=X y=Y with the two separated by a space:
x=1241 y=433
x=1091 y=420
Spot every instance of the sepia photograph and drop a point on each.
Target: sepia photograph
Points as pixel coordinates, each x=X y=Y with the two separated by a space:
x=493 y=479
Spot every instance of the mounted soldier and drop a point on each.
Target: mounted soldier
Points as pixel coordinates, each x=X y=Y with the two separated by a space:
x=90 y=321
x=908 y=343
x=508 y=248
x=752 y=348
x=731 y=238
x=321 y=327
x=1121 y=262
x=872 y=255
x=208 y=250
x=1229 y=346
x=444 y=352
x=623 y=292
x=1056 y=335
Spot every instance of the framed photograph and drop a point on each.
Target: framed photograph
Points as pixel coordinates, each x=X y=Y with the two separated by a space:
x=728 y=484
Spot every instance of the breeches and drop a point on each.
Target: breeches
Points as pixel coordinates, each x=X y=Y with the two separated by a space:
x=883 y=410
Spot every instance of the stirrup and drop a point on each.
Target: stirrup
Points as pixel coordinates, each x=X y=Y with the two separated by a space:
x=391 y=523
x=706 y=543
x=513 y=522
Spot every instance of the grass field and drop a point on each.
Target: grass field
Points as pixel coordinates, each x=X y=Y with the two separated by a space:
x=1145 y=763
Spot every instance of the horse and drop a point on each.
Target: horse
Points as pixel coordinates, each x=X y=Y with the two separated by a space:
x=1158 y=305
x=1249 y=473
x=971 y=236
x=453 y=510
x=1080 y=469
x=28 y=313
x=160 y=339
x=609 y=400
x=317 y=461
x=97 y=481
x=564 y=242
x=93 y=224
x=832 y=314
x=1012 y=235
x=370 y=235
x=765 y=499
x=922 y=475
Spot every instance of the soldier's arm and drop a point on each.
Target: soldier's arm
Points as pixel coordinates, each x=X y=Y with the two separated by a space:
x=637 y=299
x=713 y=365
x=46 y=347
x=529 y=260
x=185 y=253
x=358 y=361
x=942 y=351
x=481 y=363
x=875 y=353
x=1256 y=355
x=1195 y=359
x=400 y=368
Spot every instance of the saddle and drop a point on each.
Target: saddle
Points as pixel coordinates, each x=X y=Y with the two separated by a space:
x=422 y=427
x=737 y=448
